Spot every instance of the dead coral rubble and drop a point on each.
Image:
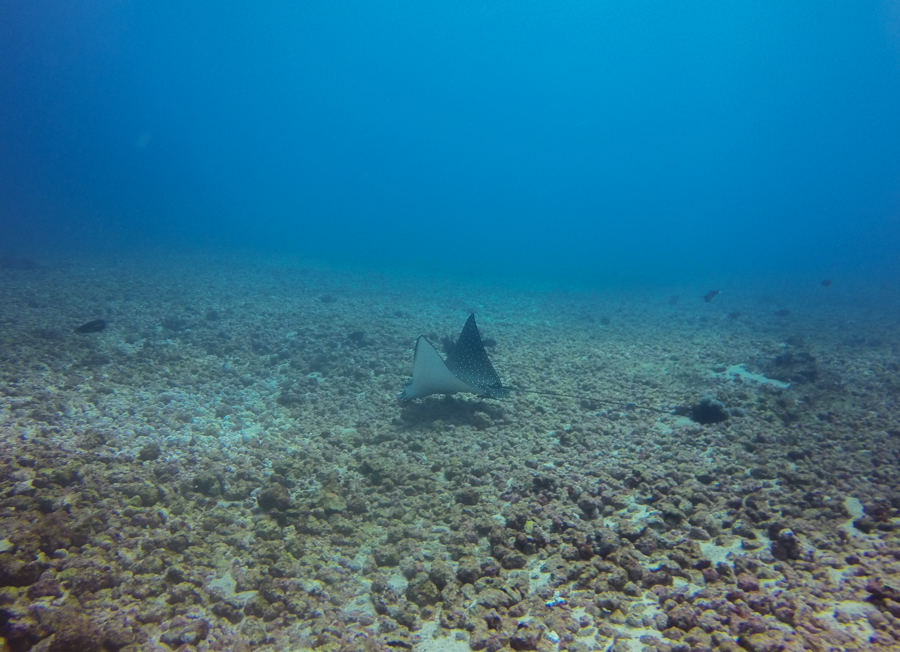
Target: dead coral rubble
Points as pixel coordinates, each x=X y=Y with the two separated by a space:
x=218 y=473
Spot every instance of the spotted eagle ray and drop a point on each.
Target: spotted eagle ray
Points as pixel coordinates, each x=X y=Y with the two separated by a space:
x=468 y=369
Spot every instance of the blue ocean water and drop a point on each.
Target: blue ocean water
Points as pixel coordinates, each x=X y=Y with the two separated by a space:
x=580 y=141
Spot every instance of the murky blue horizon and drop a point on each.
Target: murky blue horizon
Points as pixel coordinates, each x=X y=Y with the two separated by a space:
x=583 y=141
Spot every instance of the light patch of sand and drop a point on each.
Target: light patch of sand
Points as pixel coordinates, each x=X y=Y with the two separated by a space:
x=851 y=617
x=738 y=371
x=227 y=583
x=854 y=506
x=398 y=583
x=537 y=578
x=716 y=553
x=440 y=644
x=361 y=604
x=636 y=512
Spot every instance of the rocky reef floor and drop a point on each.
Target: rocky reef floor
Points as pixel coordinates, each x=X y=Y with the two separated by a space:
x=225 y=466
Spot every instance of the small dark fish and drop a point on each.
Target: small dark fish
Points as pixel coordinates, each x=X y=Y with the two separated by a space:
x=826 y=283
x=92 y=326
x=10 y=262
x=673 y=299
x=733 y=315
x=711 y=295
x=784 y=312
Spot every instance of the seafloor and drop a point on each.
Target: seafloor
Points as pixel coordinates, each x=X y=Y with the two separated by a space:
x=225 y=466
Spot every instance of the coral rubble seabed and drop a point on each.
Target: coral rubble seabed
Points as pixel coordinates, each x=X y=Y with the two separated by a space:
x=225 y=467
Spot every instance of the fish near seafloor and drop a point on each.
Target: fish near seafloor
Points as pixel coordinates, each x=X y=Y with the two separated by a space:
x=11 y=262
x=92 y=326
x=467 y=368
x=709 y=296
x=827 y=282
